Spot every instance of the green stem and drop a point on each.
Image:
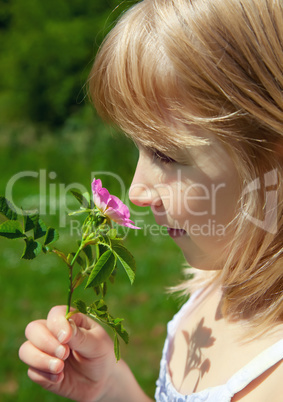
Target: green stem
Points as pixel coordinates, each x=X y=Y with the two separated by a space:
x=71 y=289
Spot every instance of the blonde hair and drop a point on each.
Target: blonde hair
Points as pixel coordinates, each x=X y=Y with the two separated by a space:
x=170 y=66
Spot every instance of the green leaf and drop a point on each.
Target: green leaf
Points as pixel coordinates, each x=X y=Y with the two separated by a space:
x=40 y=229
x=81 y=306
x=8 y=209
x=117 y=348
x=101 y=307
x=30 y=221
x=79 y=259
x=113 y=275
x=87 y=197
x=88 y=252
x=11 y=229
x=121 y=330
x=102 y=269
x=78 y=280
x=97 y=290
x=112 y=234
x=84 y=199
x=101 y=248
x=51 y=236
x=99 y=310
x=90 y=242
x=61 y=255
x=32 y=249
x=118 y=320
x=45 y=249
x=104 y=288
x=36 y=223
x=127 y=261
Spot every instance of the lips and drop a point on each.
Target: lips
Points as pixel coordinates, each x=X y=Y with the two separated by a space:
x=174 y=233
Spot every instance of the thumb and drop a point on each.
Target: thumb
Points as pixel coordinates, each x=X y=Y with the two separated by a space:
x=88 y=338
x=81 y=333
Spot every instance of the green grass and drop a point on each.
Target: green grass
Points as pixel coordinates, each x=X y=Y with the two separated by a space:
x=29 y=289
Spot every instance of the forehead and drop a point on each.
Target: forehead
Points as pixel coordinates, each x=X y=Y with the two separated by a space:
x=212 y=158
x=171 y=137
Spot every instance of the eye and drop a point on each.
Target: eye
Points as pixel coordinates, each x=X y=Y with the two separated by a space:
x=161 y=157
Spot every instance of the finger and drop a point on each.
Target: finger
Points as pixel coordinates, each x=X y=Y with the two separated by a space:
x=46 y=380
x=39 y=360
x=39 y=335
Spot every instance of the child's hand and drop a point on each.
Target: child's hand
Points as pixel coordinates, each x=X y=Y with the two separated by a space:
x=73 y=359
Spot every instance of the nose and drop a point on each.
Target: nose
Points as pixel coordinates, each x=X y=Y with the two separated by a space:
x=142 y=191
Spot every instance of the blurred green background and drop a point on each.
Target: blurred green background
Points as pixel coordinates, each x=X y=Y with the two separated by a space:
x=50 y=134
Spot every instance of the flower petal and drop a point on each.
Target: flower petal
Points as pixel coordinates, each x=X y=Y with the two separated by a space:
x=101 y=195
x=117 y=204
x=130 y=224
x=110 y=205
x=119 y=218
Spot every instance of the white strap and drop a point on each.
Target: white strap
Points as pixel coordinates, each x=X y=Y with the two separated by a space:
x=256 y=367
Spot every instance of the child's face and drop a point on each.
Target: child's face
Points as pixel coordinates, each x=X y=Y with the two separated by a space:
x=195 y=201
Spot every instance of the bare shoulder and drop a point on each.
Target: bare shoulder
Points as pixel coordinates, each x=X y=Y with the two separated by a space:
x=267 y=387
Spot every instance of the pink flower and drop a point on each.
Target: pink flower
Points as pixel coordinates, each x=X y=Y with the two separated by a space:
x=111 y=206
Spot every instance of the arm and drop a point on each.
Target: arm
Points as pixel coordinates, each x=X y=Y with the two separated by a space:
x=75 y=359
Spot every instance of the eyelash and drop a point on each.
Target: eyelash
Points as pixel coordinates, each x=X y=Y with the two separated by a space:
x=161 y=157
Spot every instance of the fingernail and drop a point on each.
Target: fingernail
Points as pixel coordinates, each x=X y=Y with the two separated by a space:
x=62 y=335
x=54 y=377
x=60 y=352
x=53 y=365
x=74 y=327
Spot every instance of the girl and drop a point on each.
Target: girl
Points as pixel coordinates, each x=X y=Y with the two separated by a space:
x=198 y=85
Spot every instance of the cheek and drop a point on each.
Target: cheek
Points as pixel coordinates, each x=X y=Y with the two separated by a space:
x=198 y=203
x=193 y=201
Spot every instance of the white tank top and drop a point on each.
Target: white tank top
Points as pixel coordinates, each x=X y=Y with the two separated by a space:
x=165 y=391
